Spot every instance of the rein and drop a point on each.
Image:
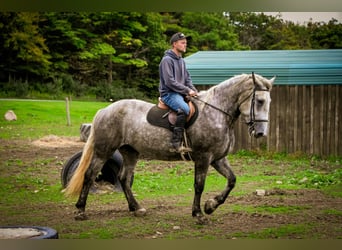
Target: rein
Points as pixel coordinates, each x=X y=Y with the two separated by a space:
x=212 y=106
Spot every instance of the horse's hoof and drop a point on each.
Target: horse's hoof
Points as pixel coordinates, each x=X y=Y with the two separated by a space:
x=202 y=220
x=210 y=206
x=81 y=216
x=140 y=212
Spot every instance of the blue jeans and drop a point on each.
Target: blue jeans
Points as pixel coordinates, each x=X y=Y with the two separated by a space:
x=176 y=101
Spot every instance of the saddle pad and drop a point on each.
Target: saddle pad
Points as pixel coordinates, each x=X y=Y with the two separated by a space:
x=155 y=116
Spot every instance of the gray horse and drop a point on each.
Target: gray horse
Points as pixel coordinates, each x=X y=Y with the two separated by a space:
x=123 y=126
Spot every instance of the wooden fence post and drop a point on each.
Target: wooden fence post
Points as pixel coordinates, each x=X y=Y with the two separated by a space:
x=68 y=111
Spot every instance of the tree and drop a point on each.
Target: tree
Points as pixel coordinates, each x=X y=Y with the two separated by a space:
x=326 y=35
x=209 y=31
x=263 y=32
x=24 y=52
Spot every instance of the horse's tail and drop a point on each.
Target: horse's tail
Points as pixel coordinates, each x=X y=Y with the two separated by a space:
x=75 y=185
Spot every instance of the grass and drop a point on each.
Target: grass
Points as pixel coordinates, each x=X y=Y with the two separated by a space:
x=26 y=182
x=36 y=119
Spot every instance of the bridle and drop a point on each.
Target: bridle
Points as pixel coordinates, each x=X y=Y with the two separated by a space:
x=252 y=119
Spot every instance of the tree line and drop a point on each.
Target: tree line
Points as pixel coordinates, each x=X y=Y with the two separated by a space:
x=116 y=54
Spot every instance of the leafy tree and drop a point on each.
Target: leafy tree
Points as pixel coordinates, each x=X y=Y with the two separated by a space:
x=210 y=31
x=326 y=35
x=286 y=36
x=251 y=28
x=154 y=43
x=263 y=32
x=23 y=49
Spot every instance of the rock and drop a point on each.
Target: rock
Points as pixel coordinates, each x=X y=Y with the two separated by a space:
x=260 y=192
x=305 y=179
x=10 y=116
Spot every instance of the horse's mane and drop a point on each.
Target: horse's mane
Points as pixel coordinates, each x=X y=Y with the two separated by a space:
x=236 y=80
x=259 y=80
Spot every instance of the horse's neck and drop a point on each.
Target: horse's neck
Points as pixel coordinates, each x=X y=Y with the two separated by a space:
x=226 y=94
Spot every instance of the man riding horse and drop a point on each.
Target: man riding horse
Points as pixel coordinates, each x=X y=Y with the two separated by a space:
x=175 y=84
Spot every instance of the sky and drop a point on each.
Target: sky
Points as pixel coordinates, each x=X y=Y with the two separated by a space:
x=301 y=17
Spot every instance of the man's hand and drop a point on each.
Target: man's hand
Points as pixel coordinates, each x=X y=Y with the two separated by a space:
x=192 y=93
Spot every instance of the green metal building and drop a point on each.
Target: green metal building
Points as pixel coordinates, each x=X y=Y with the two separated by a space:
x=292 y=67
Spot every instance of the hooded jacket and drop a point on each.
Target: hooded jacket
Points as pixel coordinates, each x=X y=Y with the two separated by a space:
x=174 y=77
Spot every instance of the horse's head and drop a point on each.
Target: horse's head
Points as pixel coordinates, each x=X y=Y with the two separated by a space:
x=255 y=105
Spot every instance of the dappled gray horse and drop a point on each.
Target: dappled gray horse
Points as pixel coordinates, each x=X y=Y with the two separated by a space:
x=123 y=126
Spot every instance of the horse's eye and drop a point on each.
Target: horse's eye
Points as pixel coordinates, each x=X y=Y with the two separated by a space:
x=260 y=102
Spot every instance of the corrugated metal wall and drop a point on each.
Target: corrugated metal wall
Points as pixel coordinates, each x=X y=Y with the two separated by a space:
x=290 y=66
x=306 y=108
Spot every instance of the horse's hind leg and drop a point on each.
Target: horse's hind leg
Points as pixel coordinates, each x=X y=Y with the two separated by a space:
x=130 y=158
x=89 y=179
x=222 y=166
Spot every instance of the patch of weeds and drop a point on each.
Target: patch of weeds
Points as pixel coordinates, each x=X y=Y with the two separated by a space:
x=29 y=182
x=13 y=162
x=334 y=190
x=314 y=179
x=280 y=209
x=332 y=212
x=43 y=162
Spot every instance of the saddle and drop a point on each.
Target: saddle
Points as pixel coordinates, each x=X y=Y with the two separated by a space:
x=162 y=116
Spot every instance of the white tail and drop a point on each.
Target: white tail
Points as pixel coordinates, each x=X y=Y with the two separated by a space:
x=75 y=185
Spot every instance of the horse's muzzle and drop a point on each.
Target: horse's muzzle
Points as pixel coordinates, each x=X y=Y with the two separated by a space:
x=257 y=129
x=258 y=135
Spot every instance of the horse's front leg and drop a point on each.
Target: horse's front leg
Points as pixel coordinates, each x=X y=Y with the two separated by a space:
x=222 y=166
x=201 y=169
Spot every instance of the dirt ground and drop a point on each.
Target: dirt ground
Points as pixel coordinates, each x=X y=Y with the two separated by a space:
x=223 y=222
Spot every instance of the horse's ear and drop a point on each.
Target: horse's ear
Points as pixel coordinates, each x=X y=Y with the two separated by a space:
x=272 y=80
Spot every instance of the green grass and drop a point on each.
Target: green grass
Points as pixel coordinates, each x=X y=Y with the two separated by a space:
x=40 y=118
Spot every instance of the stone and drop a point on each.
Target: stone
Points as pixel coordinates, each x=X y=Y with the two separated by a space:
x=10 y=116
x=260 y=192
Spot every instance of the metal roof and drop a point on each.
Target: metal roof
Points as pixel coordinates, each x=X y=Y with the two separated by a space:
x=295 y=67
